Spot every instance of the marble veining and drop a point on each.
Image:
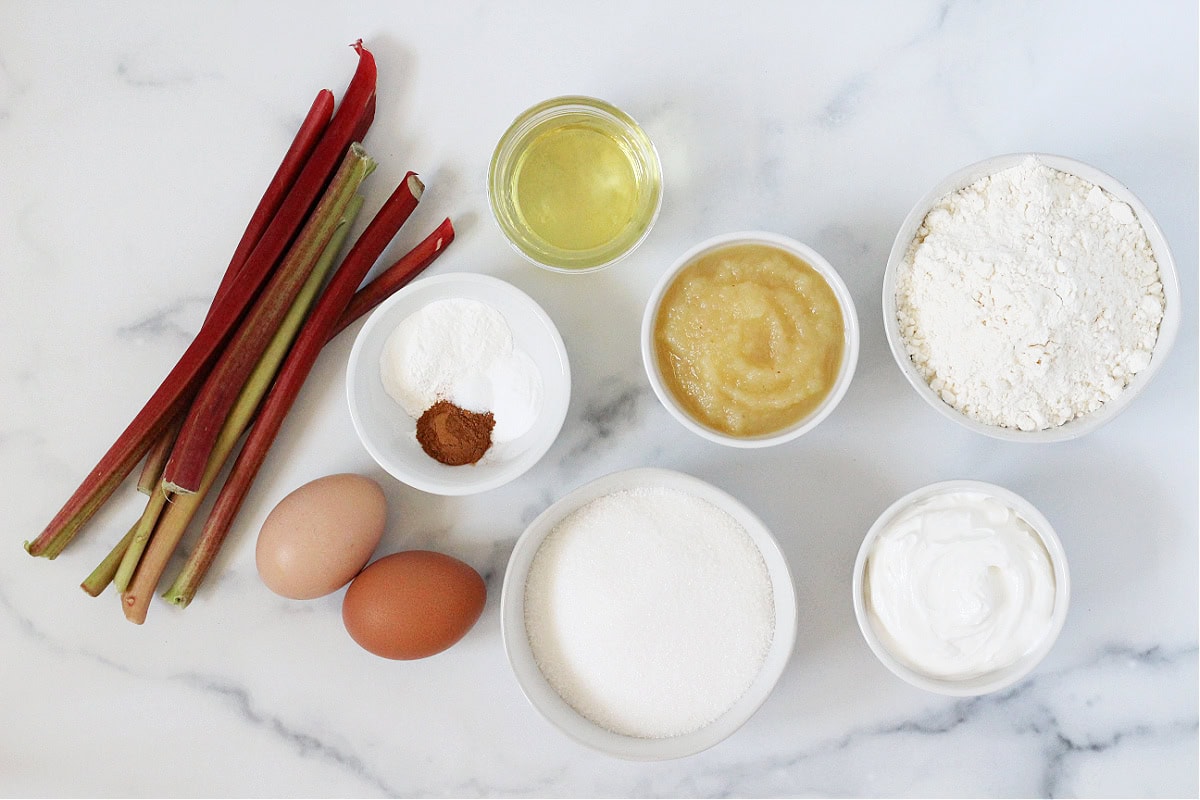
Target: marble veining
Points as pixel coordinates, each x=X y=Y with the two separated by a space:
x=133 y=138
x=171 y=324
x=304 y=744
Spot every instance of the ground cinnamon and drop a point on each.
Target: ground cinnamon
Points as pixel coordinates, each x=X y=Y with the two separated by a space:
x=453 y=435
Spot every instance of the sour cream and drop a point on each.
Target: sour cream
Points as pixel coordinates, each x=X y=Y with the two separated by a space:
x=959 y=585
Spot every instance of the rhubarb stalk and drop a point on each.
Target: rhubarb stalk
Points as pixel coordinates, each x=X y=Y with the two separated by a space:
x=136 y=596
x=156 y=459
x=184 y=380
x=196 y=438
x=299 y=362
x=142 y=532
x=106 y=570
x=398 y=275
x=294 y=159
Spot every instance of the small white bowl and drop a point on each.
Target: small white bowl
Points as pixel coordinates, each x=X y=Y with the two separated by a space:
x=996 y=679
x=1167 y=331
x=849 y=351
x=389 y=433
x=547 y=701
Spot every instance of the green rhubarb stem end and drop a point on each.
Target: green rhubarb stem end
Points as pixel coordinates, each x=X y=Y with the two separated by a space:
x=106 y=570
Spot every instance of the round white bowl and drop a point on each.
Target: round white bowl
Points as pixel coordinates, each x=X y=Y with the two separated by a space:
x=389 y=433
x=1168 y=328
x=547 y=701
x=849 y=352
x=996 y=679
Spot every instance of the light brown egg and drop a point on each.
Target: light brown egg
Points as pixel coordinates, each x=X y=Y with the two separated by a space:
x=320 y=536
x=413 y=604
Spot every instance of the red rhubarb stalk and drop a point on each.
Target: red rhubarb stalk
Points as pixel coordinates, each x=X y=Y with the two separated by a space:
x=300 y=359
x=365 y=119
x=156 y=459
x=285 y=177
x=196 y=438
x=185 y=378
x=397 y=275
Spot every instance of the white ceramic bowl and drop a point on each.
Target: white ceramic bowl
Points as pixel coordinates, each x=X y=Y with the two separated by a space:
x=1166 y=264
x=996 y=679
x=547 y=701
x=389 y=434
x=849 y=352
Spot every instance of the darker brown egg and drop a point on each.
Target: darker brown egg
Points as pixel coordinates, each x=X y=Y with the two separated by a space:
x=413 y=604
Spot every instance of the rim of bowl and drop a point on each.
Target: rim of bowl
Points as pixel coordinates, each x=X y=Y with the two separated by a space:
x=1168 y=329
x=463 y=485
x=850 y=350
x=1002 y=677
x=553 y=105
x=554 y=709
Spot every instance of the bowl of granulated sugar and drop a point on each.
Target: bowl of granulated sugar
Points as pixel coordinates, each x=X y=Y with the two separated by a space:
x=647 y=614
x=1030 y=297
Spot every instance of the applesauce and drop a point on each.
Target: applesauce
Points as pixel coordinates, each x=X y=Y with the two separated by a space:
x=749 y=339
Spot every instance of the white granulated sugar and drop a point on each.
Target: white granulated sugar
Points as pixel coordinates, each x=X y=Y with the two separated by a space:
x=1029 y=298
x=650 y=611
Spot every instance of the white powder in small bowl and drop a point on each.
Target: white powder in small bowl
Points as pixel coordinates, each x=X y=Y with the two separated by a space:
x=650 y=611
x=462 y=350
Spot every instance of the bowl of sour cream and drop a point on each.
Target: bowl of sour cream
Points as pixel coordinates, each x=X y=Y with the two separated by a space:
x=961 y=587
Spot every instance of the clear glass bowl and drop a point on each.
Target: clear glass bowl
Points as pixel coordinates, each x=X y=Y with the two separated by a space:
x=583 y=114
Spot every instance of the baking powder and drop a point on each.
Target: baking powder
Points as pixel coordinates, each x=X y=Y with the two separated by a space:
x=650 y=611
x=462 y=351
x=1029 y=298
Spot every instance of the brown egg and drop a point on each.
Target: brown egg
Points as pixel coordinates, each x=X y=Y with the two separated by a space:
x=413 y=604
x=320 y=536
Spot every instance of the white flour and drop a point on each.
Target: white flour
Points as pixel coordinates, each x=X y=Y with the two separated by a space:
x=1029 y=298
x=650 y=611
x=462 y=350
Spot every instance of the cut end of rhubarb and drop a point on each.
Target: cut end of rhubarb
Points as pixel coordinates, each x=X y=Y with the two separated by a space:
x=49 y=549
x=170 y=487
x=134 y=611
x=176 y=598
x=415 y=185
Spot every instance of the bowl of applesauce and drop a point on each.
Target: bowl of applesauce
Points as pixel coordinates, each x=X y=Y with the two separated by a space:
x=750 y=339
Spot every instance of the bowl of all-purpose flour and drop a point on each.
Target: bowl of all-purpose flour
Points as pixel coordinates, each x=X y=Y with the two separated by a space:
x=458 y=383
x=647 y=614
x=1030 y=297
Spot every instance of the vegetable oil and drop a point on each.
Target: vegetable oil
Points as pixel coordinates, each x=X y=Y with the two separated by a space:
x=575 y=184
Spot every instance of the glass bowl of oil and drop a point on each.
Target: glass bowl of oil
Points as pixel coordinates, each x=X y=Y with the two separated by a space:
x=575 y=184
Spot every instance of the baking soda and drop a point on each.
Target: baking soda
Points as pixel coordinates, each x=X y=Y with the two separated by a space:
x=650 y=611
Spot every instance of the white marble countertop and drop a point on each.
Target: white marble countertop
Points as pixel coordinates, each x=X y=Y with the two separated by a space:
x=135 y=139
